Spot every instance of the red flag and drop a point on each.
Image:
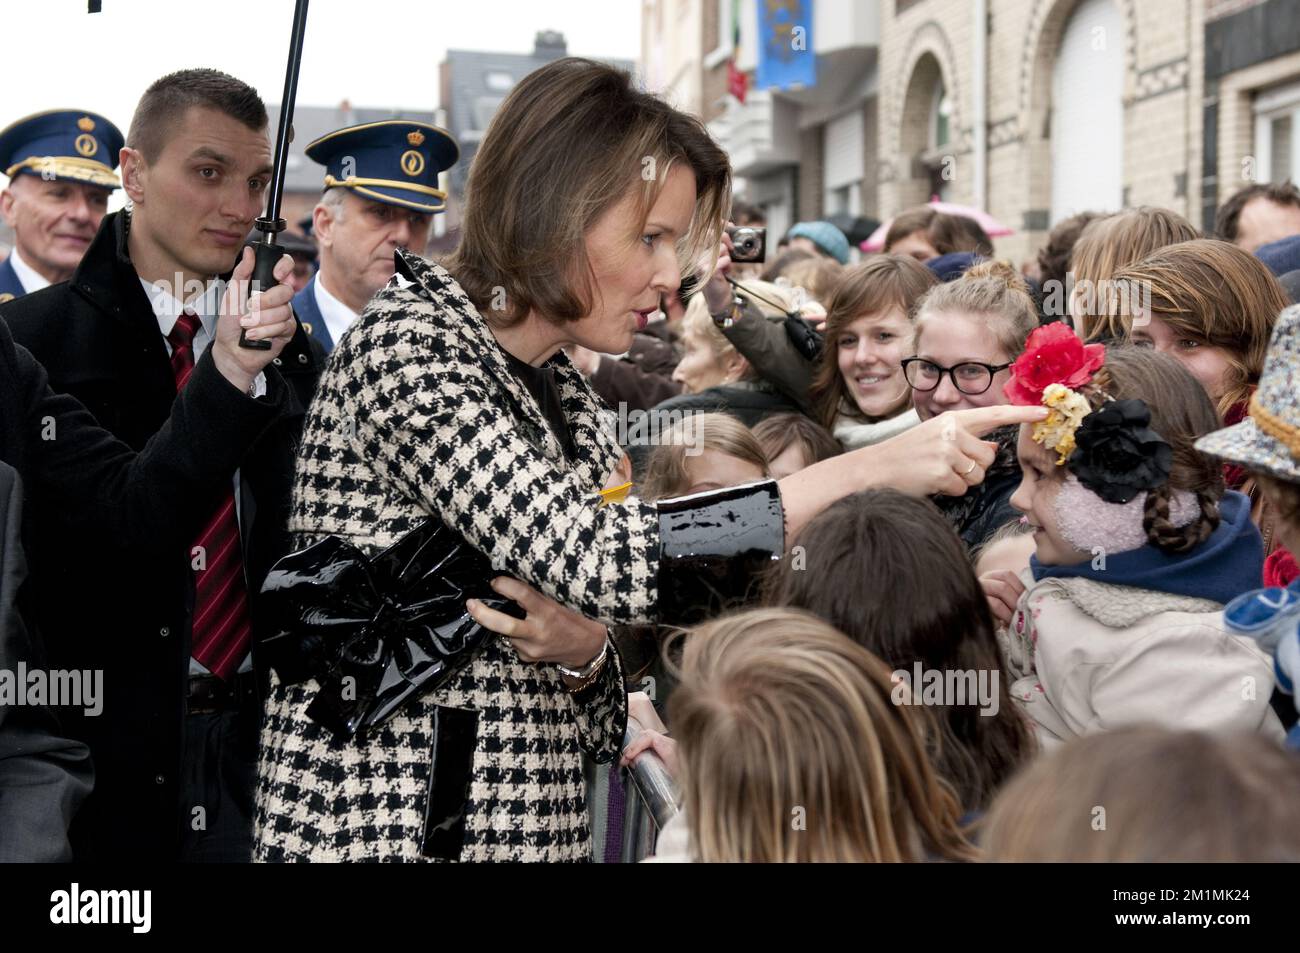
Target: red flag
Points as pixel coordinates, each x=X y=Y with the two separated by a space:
x=737 y=81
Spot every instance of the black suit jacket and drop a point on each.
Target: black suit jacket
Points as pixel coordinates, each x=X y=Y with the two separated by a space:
x=125 y=608
x=44 y=777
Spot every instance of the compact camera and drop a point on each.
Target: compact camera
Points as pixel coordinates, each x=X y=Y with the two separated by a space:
x=749 y=244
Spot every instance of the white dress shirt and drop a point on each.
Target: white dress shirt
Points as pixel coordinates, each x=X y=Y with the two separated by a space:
x=29 y=277
x=338 y=316
x=168 y=309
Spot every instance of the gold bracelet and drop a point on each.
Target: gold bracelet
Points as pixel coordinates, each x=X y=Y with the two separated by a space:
x=587 y=675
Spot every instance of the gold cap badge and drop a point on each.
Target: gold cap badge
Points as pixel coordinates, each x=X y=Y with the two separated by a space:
x=415 y=138
x=85 y=124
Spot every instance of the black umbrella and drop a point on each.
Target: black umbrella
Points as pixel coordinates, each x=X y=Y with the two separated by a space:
x=269 y=249
x=855 y=228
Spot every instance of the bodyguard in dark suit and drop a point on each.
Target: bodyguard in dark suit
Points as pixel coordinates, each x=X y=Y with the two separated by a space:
x=171 y=625
x=106 y=498
x=44 y=777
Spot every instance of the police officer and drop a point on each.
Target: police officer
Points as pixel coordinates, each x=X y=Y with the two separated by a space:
x=60 y=167
x=381 y=192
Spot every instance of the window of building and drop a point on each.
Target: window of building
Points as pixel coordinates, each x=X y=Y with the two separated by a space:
x=1087 y=118
x=724 y=39
x=485 y=108
x=843 y=163
x=498 y=81
x=940 y=110
x=940 y=164
x=1277 y=120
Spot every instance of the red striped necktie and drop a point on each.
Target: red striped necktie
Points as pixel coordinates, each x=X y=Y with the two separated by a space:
x=220 y=632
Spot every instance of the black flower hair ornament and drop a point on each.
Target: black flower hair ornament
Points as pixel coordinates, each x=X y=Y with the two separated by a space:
x=1117 y=455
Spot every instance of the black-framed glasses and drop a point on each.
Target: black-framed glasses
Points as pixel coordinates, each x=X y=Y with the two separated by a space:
x=970 y=377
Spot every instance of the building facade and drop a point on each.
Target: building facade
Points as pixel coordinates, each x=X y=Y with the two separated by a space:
x=472 y=86
x=1030 y=109
x=797 y=152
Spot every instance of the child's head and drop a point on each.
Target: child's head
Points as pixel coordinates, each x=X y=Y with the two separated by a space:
x=703 y=452
x=974 y=327
x=792 y=749
x=1008 y=548
x=1055 y=257
x=868 y=333
x=1267 y=442
x=923 y=233
x=817 y=276
x=1109 y=244
x=891 y=573
x=1071 y=519
x=1167 y=797
x=1211 y=307
x=792 y=442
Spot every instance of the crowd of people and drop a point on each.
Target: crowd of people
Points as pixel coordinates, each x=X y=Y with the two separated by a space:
x=903 y=555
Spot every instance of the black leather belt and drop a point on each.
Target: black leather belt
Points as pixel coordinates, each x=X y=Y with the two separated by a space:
x=210 y=694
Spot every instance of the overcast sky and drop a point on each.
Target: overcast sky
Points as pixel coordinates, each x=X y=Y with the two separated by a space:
x=381 y=53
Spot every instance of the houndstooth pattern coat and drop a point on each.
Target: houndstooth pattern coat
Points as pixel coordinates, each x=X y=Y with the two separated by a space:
x=418 y=414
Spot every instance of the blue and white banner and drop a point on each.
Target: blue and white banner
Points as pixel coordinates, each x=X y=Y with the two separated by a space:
x=785 y=48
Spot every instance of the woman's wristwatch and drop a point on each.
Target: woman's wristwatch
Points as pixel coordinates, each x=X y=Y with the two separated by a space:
x=586 y=675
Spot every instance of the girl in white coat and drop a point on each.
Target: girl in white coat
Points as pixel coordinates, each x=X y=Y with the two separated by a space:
x=1119 y=618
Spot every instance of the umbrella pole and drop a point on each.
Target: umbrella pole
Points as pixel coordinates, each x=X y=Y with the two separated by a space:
x=268 y=251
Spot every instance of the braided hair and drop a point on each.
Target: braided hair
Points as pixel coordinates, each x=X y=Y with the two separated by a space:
x=1181 y=412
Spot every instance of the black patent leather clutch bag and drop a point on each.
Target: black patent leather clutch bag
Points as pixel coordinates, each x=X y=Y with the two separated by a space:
x=375 y=631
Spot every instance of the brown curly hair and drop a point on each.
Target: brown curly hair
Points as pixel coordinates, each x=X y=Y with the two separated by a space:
x=1181 y=413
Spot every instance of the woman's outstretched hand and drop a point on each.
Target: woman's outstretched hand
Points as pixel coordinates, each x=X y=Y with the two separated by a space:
x=943 y=455
x=946 y=453
x=549 y=631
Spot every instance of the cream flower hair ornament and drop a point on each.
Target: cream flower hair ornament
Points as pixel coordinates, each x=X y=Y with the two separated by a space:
x=1056 y=431
x=1111 y=449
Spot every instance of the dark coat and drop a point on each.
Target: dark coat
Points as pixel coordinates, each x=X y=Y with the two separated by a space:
x=125 y=609
x=44 y=777
x=986 y=508
x=644 y=376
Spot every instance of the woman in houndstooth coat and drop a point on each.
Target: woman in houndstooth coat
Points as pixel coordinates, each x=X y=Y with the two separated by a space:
x=451 y=397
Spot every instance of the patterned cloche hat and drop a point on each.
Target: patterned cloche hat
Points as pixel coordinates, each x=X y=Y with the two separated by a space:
x=1269 y=439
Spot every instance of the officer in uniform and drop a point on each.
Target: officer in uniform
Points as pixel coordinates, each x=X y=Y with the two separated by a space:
x=381 y=192
x=60 y=167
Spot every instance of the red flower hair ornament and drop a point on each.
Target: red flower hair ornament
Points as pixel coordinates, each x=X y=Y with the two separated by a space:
x=1053 y=355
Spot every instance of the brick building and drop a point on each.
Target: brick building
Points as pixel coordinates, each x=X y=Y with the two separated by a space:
x=1031 y=109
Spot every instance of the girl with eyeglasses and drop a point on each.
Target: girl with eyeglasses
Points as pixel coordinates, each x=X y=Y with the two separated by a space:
x=966 y=334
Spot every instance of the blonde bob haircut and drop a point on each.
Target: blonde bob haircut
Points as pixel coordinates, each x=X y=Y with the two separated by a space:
x=699 y=322
x=793 y=749
x=666 y=474
x=571 y=141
